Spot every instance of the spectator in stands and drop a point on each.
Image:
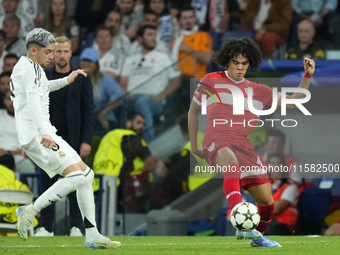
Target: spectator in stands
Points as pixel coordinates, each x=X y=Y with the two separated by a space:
x=59 y=24
x=320 y=12
x=216 y=15
x=305 y=47
x=44 y=7
x=9 y=136
x=285 y=195
x=130 y=159
x=270 y=21
x=106 y=91
x=169 y=28
x=150 y=18
x=148 y=78
x=131 y=17
x=120 y=42
x=181 y=176
x=25 y=10
x=9 y=182
x=108 y=62
x=4 y=86
x=2 y=51
x=9 y=62
x=71 y=112
x=192 y=49
x=14 y=44
x=92 y=13
x=275 y=143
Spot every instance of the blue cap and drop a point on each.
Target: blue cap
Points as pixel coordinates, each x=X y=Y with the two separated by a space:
x=89 y=54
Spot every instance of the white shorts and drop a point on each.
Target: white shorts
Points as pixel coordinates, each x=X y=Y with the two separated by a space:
x=52 y=161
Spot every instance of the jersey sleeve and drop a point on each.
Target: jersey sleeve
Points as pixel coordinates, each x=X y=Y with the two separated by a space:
x=201 y=89
x=172 y=69
x=290 y=193
x=32 y=79
x=206 y=43
x=267 y=95
x=125 y=69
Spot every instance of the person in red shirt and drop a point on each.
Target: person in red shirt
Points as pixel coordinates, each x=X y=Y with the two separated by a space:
x=227 y=146
x=275 y=143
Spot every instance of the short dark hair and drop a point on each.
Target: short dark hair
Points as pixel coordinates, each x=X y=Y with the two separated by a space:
x=184 y=9
x=149 y=12
x=142 y=29
x=183 y=123
x=102 y=28
x=233 y=47
x=3 y=33
x=117 y=12
x=11 y=55
x=3 y=74
x=7 y=160
x=12 y=16
x=132 y=115
x=276 y=133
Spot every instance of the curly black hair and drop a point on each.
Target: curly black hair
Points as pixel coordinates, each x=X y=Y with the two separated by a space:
x=233 y=47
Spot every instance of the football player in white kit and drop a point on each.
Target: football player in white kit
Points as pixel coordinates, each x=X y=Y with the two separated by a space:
x=30 y=95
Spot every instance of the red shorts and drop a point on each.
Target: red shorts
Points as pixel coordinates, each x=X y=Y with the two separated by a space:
x=252 y=171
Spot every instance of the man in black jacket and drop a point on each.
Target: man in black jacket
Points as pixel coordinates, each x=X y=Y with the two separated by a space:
x=72 y=113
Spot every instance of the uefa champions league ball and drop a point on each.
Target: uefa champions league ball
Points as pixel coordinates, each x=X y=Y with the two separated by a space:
x=245 y=216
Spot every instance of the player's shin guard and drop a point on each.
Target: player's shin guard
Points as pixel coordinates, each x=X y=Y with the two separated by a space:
x=57 y=191
x=231 y=185
x=86 y=205
x=266 y=213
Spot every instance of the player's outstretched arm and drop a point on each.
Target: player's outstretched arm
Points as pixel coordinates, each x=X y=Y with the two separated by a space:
x=309 y=66
x=72 y=76
x=193 y=121
x=60 y=83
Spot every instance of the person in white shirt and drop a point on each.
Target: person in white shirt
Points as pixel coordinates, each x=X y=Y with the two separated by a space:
x=108 y=62
x=150 y=18
x=30 y=95
x=148 y=78
x=2 y=52
x=14 y=44
x=26 y=10
x=9 y=135
x=120 y=42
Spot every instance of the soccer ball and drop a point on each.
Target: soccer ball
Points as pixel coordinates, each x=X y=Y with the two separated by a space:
x=245 y=216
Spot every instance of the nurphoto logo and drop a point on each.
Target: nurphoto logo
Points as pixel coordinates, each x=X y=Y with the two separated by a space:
x=240 y=104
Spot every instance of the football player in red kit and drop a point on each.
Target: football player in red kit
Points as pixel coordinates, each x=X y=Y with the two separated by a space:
x=225 y=142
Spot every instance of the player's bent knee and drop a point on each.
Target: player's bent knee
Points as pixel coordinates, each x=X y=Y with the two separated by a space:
x=89 y=176
x=77 y=178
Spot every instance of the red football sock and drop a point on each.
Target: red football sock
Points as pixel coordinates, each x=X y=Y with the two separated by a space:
x=266 y=212
x=231 y=185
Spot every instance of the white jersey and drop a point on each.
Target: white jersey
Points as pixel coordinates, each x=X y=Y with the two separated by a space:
x=109 y=63
x=29 y=78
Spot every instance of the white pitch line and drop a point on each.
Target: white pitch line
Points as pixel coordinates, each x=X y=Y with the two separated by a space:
x=148 y=244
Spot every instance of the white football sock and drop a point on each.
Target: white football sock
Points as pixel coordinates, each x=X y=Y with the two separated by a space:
x=87 y=207
x=58 y=190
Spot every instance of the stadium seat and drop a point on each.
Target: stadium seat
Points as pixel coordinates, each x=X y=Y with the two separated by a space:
x=216 y=40
x=238 y=34
x=17 y=197
x=313 y=208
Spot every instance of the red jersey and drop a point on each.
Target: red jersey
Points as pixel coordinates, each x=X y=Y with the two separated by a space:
x=235 y=127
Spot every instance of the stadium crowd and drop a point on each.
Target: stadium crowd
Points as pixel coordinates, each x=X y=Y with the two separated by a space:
x=141 y=57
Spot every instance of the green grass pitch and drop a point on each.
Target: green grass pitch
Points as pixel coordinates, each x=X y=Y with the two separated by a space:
x=170 y=245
